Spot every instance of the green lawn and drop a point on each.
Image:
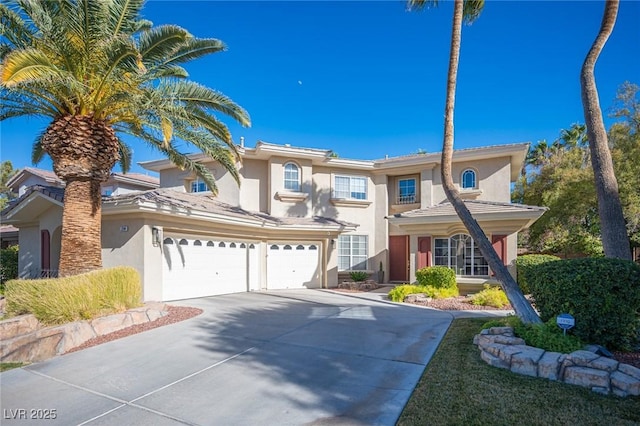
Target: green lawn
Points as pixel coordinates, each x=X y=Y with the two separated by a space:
x=458 y=388
x=4 y=366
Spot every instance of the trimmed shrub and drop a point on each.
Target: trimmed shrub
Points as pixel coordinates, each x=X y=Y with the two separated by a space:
x=526 y=266
x=602 y=294
x=437 y=276
x=400 y=292
x=546 y=336
x=397 y=294
x=8 y=265
x=440 y=293
x=358 y=276
x=84 y=296
x=490 y=296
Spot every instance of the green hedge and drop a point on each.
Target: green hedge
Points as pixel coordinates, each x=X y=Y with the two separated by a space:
x=84 y=296
x=437 y=276
x=602 y=294
x=526 y=266
x=8 y=265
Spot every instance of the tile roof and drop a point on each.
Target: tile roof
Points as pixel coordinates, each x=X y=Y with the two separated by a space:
x=52 y=192
x=476 y=207
x=208 y=204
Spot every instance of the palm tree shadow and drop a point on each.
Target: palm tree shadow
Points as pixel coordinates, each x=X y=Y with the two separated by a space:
x=333 y=361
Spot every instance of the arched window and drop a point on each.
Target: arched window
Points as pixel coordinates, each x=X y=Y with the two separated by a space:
x=183 y=242
x=469 y=179
x=168 y=241
x=291 y=177
x=461 y=254
x=197 y=243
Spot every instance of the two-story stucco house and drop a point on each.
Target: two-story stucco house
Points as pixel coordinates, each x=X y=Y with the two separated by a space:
x=301 y=218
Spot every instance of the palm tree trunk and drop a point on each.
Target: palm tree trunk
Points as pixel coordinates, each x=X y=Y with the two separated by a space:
x=81 y=246
x=522 y=307
x=612 y=224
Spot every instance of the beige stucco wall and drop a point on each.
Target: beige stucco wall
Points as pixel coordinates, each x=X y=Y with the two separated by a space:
x=367 y=216
x=493 y=178
x=277 y=206
x=228 y=189
x=29 y=255
x=128 y=247
x=254 y=185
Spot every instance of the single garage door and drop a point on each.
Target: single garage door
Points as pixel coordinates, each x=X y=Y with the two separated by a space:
x=194 y=267
x=293 y=265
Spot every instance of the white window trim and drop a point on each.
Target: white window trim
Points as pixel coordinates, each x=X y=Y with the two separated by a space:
x=449 y=255
x=413 y=200
x=284 y=177
x=349 y=199
x=197 y=181
x=475 y=179
x=351 y=255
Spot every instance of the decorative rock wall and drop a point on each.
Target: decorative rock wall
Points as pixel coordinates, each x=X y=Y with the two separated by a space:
x=500 y=348
x=25 y=339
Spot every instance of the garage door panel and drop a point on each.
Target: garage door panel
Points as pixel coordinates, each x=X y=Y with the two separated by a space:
x=293 y=265
x=194 y=267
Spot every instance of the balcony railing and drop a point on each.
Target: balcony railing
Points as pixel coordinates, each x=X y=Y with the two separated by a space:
x=406 y=199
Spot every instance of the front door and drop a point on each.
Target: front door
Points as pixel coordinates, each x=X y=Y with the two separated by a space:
x=399 y=258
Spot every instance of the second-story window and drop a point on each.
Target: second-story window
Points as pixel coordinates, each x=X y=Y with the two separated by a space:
x=199 y=186
x=350 y=187
x=469 y=179
x=291 y=177
x=406 y=191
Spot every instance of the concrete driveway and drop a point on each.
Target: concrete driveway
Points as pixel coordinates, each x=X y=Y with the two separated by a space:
x=277 y=358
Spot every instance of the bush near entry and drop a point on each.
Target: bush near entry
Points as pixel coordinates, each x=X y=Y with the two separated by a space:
x=490 y=296
x=602 y=294
x=79 y=297
x=437 y=276
x=526 y=266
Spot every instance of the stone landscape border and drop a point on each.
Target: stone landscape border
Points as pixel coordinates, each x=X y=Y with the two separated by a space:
x=500 y=348
x=25 y=339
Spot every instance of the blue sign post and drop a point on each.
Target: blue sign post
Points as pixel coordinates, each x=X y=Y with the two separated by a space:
x=565 y=322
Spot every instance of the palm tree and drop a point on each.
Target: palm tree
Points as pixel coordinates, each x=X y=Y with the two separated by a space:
x=469 y=10
x=97 y=71
x=615 y=240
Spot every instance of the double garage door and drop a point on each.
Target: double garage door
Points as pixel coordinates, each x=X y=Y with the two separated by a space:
x=198 y=267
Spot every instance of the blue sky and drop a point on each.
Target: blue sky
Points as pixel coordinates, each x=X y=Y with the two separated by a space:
x=367 y=79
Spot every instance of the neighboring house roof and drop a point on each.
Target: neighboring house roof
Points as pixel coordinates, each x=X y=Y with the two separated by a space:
x=8 y=230
x=48 y=176
x=51 y=179
x=136 y=178
x=32 y=203
x=206 y=207
x=485 y=210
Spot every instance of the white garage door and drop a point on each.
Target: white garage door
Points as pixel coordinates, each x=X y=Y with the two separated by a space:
x=195 y=267
x=293 y=265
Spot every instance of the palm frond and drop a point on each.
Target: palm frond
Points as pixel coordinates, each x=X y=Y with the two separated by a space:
x=27 y=64
x=38 y=153
x=194 y=48
x=14 y=29
x=158 y=43
x=191 y=93
x=125 y=156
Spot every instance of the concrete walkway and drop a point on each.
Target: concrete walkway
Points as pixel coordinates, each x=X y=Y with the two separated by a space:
x=278 y=358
